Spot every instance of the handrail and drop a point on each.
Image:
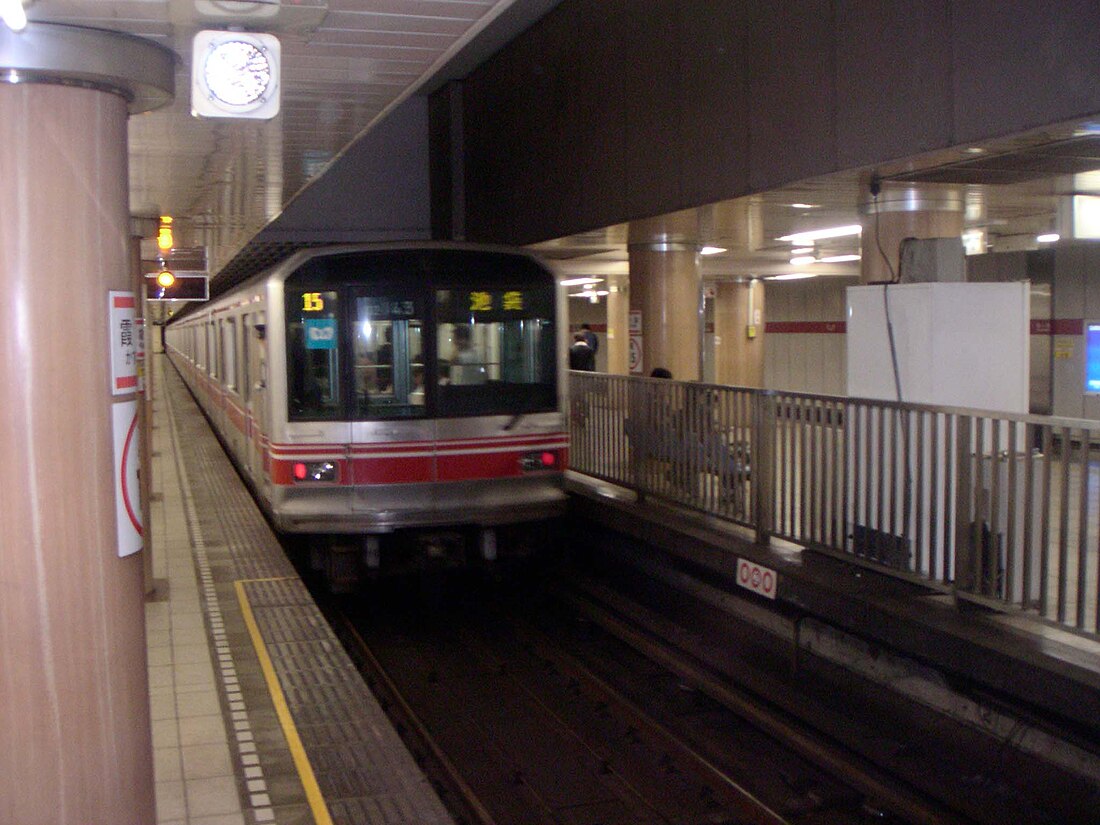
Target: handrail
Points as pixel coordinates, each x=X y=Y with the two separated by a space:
x=991 y=507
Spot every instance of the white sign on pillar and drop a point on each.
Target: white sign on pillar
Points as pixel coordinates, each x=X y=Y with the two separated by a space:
x=635 y=364
x=122 y=310
x=124 y=426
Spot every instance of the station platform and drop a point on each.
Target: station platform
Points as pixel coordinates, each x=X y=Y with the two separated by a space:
x=258 y=715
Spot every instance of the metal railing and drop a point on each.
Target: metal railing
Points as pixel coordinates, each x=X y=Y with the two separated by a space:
x=999 y=509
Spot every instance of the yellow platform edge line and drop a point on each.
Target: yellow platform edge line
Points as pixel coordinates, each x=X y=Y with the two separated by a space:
x=297 y=751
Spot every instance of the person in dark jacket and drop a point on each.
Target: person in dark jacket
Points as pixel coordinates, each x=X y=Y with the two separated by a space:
x=581 y=356
x=590 y=338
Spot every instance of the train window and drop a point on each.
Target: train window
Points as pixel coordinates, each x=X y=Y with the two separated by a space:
x=389 y=356
x=212 y=349
x=496 y=350
x=229 y=353
x=313 y=355
x=245 y=367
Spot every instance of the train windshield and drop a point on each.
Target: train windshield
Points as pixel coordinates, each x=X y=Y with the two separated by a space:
x=437 y=334
x=313 y=350
x=495 y=350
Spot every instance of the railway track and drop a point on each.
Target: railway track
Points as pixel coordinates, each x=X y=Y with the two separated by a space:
x=525 y=713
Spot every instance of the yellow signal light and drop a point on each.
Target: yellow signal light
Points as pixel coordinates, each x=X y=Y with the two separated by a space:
x=164 y=238
x=165 y=278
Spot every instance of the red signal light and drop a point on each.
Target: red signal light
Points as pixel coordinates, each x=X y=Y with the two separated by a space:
x=549 y=459
x=300 y=471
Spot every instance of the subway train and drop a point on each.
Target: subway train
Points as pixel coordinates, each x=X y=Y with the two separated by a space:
x=393 y=407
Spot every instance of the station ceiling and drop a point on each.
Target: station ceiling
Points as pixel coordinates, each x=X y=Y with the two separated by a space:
x=347 y=63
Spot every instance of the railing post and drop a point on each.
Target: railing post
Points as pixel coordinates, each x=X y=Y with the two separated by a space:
x=763 y=464
x=966 y=547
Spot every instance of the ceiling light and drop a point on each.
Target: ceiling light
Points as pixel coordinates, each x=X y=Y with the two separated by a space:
x=581 y=281
x=802 y=250
x=974 y=150
x=838 y=259
x=791 y=276
x=802 y=238
x=711 y=250
x=1048 y=238
x=13 y=13
x=803 y=206
x=799 y=260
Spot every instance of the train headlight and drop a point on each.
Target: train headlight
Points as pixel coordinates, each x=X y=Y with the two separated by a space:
x=314 y=471
x=544 y=460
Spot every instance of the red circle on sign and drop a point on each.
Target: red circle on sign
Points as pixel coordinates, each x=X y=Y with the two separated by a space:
x=744 y=574
x=768 y=583
x=134 y=520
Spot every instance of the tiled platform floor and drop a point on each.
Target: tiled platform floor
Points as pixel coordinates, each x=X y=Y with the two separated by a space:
x=248 y=686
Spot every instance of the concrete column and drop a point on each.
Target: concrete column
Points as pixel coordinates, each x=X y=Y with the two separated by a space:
x=666 y=285
x=618 y=325
x=74 y=703
x=904 y=211
x=739 y=359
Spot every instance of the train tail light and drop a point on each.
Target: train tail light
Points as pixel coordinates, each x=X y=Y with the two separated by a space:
x=314 y=471
x=544 y=460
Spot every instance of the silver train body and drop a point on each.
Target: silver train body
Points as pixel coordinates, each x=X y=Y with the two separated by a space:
x=377 y=389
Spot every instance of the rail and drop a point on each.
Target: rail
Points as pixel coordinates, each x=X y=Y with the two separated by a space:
x=998 y=509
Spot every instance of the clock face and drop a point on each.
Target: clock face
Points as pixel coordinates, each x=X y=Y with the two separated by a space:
x=236 y=72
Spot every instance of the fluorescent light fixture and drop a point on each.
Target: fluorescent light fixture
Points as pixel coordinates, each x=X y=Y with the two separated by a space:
x=711 y=250
x=580 y=281
x=1048 y=238
x=803 y=238
x=13 y=13
x=802 y=250
x=791 y=276
x=803 y=206
x=1086 y=216
x=974 y=241
x=799 y=260
x=838 y=259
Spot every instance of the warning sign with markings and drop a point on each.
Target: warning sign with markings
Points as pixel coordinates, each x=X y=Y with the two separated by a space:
x=124 y=425
x=756 y=578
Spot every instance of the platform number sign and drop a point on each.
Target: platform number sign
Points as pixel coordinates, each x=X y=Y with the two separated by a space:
x=757 y=578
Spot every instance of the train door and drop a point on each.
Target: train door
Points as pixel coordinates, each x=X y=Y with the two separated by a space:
x=255 y=365
x=392 y=441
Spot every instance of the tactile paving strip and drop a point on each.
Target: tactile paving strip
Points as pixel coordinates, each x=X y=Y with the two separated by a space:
x=362 y=768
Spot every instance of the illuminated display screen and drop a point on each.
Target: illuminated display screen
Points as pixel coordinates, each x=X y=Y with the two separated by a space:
x=1092 y=358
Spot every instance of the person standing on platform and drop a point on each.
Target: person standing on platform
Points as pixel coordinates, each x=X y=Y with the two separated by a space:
x=581 y=355
x=590 y=338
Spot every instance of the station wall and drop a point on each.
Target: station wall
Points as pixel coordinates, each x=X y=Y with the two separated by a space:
x=600 y=113
x=804 y=335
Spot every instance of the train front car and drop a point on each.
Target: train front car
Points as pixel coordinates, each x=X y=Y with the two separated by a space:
x=422 y=405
